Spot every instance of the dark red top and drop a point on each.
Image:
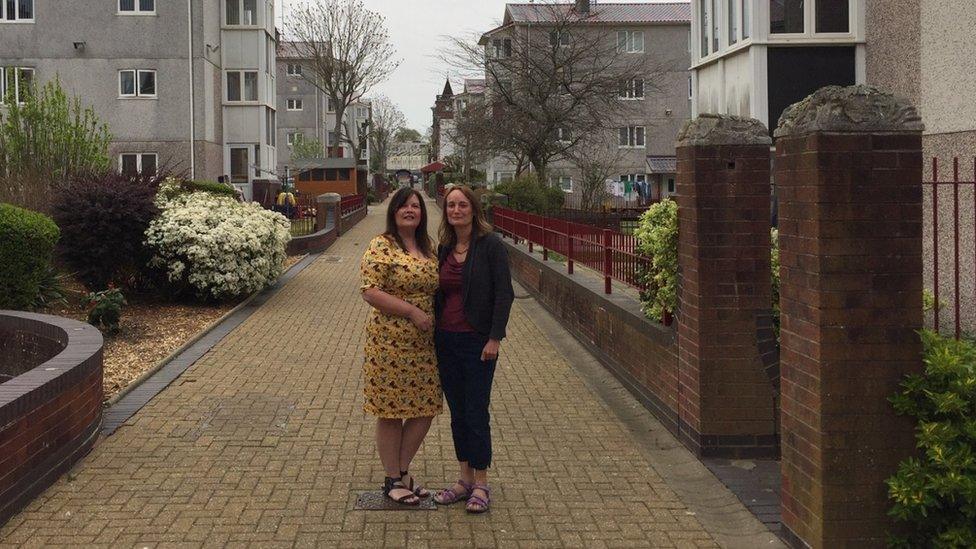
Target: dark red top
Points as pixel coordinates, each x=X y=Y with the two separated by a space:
x=452 y=316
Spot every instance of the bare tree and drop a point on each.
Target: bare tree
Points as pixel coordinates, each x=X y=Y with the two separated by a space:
x=552 y=82
x=596 y=162
x=347 y=52
x=472 y=144
x=387 y=122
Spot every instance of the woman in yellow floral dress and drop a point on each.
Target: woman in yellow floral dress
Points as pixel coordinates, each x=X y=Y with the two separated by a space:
x=402 y=387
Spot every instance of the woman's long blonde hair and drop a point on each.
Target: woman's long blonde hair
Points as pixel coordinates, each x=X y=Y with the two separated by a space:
x=479 y=225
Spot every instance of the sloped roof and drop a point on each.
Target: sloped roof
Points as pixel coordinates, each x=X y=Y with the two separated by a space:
x=662 y=164
x=474 y=85
x=600 y=12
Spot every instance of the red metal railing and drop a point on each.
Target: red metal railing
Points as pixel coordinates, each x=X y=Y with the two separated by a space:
x=351 y=203
x=611 y=253
x=948 y=236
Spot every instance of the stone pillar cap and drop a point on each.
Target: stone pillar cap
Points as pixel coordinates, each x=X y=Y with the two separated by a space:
x=723 y=129
x=328 y=198
x=861 y=109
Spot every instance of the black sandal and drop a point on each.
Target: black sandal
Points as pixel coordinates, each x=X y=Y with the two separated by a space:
x=395 y=483
x=417 y=490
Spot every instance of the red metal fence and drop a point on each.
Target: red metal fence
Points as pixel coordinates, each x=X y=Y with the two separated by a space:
x=611 y=253
x=951 y=236
x=351 y=203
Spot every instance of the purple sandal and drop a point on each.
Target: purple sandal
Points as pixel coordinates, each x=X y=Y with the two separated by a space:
x=448 y=496
x=477 y=505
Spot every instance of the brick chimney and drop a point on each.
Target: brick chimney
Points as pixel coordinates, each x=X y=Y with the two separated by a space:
x=583 y=6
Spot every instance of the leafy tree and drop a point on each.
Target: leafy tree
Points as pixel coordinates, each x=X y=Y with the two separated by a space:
x=45 y=140
x=304 y=149
x=407 y=134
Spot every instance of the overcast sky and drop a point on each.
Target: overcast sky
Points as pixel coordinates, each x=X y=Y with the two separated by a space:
x=416 y=29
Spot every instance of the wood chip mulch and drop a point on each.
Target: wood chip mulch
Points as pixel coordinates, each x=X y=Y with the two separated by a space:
x=149 y=330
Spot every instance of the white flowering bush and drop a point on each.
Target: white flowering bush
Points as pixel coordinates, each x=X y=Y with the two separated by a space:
x=215 y=245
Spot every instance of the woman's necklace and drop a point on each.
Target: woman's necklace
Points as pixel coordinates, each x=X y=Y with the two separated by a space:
x=459 y=251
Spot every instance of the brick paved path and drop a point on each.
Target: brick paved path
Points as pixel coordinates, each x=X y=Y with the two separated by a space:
x=264 y=441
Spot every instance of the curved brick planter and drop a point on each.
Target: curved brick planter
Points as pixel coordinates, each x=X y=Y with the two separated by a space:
x=50 y=414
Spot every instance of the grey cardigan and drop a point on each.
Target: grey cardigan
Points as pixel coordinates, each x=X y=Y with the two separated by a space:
x=486 y=286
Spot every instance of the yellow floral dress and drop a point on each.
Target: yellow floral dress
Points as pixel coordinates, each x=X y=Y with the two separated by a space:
x=401 y=379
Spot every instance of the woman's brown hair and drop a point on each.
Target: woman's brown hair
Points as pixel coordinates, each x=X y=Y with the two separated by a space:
x=423 y=239
x=479 y=225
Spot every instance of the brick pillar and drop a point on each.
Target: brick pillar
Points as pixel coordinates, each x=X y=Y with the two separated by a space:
x=848 y=176
x=727 y=399
x=328 y=211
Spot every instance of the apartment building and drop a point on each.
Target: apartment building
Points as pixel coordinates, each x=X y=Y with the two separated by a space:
x=755 y=58
x=656 y=105
x=408 y=156
x=186 y=85
x=307 y=113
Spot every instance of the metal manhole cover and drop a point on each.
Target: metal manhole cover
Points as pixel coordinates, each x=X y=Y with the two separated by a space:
x=376 y=501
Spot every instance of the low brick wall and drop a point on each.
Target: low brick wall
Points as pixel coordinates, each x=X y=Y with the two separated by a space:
x=642 y=354
x=313 y=243
x=349 y=221
x=50 y=414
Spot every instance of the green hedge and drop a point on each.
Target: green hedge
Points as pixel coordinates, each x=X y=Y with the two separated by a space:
x=27 y=241
x=934 y=494
x=210 y=187
x=527 y=194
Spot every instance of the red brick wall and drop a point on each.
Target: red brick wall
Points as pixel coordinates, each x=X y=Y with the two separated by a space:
x=49 y=416
x=850 y=238
x=728 y=399
x=642 y=354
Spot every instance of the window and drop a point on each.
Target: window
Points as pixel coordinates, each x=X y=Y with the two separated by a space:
x=746 y=18
x=294 y=69
x=670 y=185
x=631 y=136
x=562 y=135
x=833 y=15
x=632 y=89
x=715 y=28
x=241 y=12
x=272 y=128
x=329 y=104
x=501 y=177
x=706 y=15
x=294 y=104
x=137 y=6
x=785 y=16
x=559 y=38
x=242 y=85
x=133 y=164
x=691 y=89
x=630 y=41
x=17 y=10
x=501 y=48
x=363 y=153
x=564 y=182
x=733 y=15
x=137 y=83
x=16 y=81
x=362 y=112
x=332 y=140
x=295 y=137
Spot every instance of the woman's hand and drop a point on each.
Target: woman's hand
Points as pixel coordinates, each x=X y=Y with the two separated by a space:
x=421 y=320
x=490 y=352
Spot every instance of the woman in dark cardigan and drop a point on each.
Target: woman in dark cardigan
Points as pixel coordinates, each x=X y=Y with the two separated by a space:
x=471 y=307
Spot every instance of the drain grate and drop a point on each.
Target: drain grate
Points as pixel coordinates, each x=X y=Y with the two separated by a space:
x=376 y=501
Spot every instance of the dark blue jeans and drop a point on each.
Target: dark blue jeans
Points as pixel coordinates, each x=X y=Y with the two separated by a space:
x=466 y=381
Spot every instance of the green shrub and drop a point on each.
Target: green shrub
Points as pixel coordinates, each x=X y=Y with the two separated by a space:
x=527 y=194
x=657 y=238
x=934 y=494
x=212 y=187
x=103 y=219
x=50 y=289
x=27 y=241
x=105 y=309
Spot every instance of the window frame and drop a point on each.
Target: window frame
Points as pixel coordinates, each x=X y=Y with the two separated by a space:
x=733 y=19
x=562 y=135
x=16 y=73
x=243 y=86
x=632 y=133
x=16 y=18
x=560 y=38
x=240 y=14
x=559 y=183
x=294 y=104
x=628 y=91
x=501 y=48
x=136 y=9
x=296 y=66
x=629 y=39
x=290 y=137
x=139 y=158
x=136 y=84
